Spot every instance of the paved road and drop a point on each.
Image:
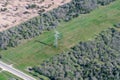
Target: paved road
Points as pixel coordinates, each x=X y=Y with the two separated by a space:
x=14 y=71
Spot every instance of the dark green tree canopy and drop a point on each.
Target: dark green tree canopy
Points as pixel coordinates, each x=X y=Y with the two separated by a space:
x=93 y=60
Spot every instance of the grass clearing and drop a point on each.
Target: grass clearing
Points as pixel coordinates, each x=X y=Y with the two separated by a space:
x=6 y=76
x=82 y=28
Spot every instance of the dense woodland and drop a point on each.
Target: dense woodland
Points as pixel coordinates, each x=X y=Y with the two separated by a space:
x=47 y=20
x=92 y=60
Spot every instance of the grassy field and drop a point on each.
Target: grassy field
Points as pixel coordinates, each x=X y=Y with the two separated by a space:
x=6 y=76
x=83 y=28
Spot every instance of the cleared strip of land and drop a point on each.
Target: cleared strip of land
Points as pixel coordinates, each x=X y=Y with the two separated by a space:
x=83 y=28
x=14 y=12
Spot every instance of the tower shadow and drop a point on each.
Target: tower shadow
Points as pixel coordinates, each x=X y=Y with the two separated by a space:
x=42 y=43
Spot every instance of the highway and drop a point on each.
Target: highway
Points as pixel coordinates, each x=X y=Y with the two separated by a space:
x=14 y=71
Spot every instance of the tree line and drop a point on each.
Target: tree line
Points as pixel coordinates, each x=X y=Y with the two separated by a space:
x=98 y=59
x=47 y=20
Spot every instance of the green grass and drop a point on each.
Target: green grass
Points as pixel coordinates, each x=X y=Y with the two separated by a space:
x=6 y=76
x=83 y=28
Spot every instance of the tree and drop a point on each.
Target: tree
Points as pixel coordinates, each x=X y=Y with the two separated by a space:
x=0 y=56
